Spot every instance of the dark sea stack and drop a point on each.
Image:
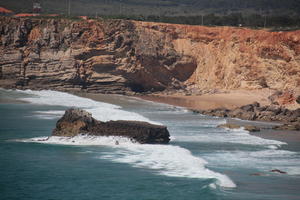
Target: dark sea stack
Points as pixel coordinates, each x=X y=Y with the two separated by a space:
x=77 y=121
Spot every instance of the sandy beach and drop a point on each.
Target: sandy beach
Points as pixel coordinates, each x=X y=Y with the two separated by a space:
x=229 y=100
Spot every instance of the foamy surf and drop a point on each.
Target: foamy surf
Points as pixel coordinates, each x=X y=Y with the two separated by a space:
x=168 y=160
x=84 y=140
x=263 y=160
x=100 y=110
x=236 y=136
x=51 y=114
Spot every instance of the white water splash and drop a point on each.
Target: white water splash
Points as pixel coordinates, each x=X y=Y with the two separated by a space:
x=236 y=136
x=168 y=160
x=101 y=111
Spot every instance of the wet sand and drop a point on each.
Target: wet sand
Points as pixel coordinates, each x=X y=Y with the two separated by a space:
x=229 y=100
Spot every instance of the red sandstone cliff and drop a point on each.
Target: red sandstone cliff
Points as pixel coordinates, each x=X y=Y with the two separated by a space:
x=119 y=56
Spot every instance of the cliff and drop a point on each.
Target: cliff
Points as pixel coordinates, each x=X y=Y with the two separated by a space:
x=118 y=56
x=76 y=121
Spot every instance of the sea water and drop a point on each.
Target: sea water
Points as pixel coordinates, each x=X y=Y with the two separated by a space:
x=201 y=161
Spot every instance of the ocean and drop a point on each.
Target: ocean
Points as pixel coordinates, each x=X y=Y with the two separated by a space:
x=201 y=161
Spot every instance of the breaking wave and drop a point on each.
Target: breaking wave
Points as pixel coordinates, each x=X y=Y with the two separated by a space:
x=168 y=160
x=101 y=111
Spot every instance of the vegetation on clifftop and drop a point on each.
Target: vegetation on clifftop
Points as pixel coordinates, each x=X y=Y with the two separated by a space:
x=160 y=7
x=272 y=14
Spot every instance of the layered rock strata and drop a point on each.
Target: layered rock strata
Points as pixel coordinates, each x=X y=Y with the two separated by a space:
x=75 y=122
x=118 y=56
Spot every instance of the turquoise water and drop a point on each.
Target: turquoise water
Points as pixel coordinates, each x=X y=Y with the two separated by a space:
x=201 y=162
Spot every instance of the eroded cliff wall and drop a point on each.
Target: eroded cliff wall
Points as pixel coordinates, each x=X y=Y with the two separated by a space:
x=117 y=56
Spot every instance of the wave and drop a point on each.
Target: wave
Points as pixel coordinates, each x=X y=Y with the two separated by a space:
x=264 y=160
x=50 y=114
x=236 y=136
x=101 y=111
x=168 y=160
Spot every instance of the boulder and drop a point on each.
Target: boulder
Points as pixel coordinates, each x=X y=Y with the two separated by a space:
x=298 y=99
x=251 y=128
x=220 y=112
x=288 y=127
x=248 y=108
x=77 y=121
x=230 y=126
x=257 y=174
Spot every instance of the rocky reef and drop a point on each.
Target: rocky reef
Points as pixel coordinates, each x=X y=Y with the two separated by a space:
x=255 y=111
x=76 y=121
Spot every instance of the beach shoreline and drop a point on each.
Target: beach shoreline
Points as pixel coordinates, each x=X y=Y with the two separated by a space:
x=228 y=99
x=290 y=137
x=266 y=132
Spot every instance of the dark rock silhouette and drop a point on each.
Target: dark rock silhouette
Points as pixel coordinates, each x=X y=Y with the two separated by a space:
x=278 y=171
x=77 y=121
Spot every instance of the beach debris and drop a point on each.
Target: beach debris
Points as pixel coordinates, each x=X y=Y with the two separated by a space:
x=278 y=171
x=230 y=126
x=251 y=128
x=257 y=174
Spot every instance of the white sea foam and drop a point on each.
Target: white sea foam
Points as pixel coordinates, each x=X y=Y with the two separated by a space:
x=264 y=160
x=237 y=136
x=166 y=160
x=82 y=140
x=51 y=114
x=101 y=111
x=169 y=160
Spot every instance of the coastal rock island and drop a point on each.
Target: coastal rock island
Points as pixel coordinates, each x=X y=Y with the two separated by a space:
x=77 y=121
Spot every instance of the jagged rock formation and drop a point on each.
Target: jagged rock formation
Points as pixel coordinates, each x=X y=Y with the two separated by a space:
x=263 y=113
x=118 y=56
x=76 y=121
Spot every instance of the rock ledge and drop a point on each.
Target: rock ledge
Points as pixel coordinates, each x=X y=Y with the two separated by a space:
x=77 y=121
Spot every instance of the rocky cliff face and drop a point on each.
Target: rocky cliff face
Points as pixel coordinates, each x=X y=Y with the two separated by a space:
x=117 y=56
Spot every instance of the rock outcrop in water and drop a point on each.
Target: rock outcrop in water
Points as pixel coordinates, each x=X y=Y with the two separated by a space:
x=76 y=121
x=263 y=113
